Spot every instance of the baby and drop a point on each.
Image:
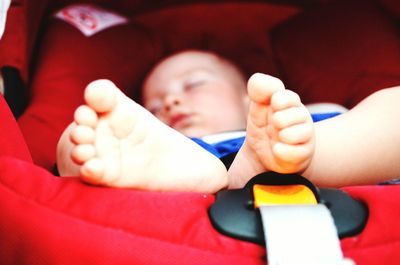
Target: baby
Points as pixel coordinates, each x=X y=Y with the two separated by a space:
x=115 y=142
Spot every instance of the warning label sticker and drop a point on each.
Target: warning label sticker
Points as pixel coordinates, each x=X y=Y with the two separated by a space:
x=90 y=19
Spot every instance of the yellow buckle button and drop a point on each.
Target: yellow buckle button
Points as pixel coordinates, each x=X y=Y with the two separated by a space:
x=282 y=194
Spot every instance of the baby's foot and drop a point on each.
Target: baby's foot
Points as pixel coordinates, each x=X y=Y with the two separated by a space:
x=280 y=134
x=118 y=143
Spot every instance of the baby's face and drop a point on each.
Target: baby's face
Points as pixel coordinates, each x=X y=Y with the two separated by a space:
x=197 y=94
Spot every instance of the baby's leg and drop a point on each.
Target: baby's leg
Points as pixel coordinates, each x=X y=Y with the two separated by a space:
x=115 y=142
x=280 y=133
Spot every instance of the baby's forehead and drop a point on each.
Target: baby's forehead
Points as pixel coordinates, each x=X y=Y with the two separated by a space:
x=191 y=55
x=188 y=60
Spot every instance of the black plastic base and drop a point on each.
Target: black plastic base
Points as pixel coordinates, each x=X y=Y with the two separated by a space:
x=233 y=212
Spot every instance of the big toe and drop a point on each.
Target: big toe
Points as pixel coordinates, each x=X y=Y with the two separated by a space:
x=261 y=87
x=101 y=95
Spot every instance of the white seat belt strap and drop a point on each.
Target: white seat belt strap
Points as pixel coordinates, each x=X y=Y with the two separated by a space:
x=301 y=234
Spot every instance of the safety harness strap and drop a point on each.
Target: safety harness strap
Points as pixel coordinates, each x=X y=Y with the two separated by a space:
x=301 y=234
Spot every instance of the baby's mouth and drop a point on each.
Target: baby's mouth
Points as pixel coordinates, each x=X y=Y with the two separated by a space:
x=179 y=120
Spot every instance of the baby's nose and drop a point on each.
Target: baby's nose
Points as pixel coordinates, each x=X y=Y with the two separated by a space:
x=172 y=101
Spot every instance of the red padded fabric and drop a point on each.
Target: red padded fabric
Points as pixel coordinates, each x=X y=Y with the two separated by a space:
x=379 y=243
x=50 y=220
x=11 y=141
x=223 y=28
x=392 y=5
x=17 y=43
x=340 y=52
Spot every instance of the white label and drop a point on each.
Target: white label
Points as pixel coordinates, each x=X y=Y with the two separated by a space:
x=90 y=19
x=4 y=5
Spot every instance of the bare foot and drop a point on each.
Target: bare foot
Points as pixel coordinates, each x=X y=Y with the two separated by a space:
x=280 y=132
x=116 y=142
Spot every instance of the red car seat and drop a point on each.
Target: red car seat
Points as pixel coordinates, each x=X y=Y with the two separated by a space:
x=49 y=220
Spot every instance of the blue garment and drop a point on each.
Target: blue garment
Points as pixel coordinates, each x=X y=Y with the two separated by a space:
x=222 y=148
x=227 y=147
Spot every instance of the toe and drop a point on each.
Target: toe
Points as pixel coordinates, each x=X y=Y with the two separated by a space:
x=285 y=99
x=84 y=115
x=82 y=134
x=296 y=134
x=82 y=153
x=92 y=171
x=261 y=87
x=101 y=95
x=295 y=155
x=291 y=116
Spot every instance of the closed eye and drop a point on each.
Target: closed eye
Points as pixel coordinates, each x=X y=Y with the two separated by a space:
x=193 y=84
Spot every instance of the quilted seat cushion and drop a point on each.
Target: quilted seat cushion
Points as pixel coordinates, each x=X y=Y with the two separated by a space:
x=50 y=220
x=340 y=52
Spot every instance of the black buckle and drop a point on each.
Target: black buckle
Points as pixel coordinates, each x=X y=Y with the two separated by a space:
x=233 y=213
